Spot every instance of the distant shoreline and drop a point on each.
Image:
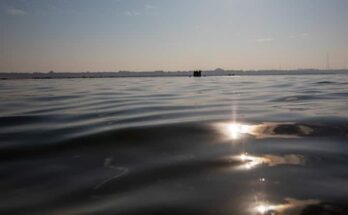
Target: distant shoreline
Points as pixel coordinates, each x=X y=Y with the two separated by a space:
x=128 y=74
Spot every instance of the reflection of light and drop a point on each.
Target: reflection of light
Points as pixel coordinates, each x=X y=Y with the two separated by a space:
x=243 y=157
x=291 y=159
x=251 y=165
x=264 y=208
x=234 y=130
x=249 y=161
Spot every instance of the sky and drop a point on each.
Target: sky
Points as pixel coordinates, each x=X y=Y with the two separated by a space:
x=147 y=35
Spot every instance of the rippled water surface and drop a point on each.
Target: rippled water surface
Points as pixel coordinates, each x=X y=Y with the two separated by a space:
x=210 y=145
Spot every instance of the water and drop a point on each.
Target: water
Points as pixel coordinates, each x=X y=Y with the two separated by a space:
x=217 y=145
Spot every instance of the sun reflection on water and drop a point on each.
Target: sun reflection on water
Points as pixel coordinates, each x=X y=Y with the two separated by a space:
x=250 y=162
x=261 y=208
x=264 y=208
x=234 y=130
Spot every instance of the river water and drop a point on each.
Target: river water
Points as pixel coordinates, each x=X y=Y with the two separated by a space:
x=175 y=145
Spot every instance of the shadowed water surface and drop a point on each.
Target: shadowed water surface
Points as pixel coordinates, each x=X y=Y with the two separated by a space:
x=217 y=145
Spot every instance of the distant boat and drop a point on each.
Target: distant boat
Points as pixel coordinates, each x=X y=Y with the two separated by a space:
x=197 y=73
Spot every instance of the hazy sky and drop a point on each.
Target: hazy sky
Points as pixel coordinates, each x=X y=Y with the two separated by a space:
x=112 y=35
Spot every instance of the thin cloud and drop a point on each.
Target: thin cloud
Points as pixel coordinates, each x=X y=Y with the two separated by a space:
x=15 y=11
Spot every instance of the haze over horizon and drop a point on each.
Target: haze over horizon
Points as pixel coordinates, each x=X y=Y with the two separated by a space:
x=148 y=35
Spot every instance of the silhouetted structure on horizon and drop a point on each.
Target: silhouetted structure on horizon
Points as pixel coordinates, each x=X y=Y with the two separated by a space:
x=197 y=73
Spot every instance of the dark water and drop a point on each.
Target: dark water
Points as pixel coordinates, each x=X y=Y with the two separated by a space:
x=217 y=145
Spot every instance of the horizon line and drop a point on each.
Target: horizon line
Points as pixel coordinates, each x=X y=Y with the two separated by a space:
x=191 y=70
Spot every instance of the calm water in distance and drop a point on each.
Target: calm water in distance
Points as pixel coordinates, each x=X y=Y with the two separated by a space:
x=210 y=145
